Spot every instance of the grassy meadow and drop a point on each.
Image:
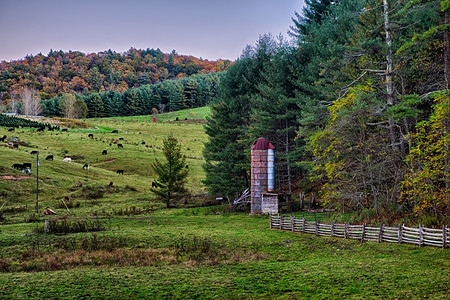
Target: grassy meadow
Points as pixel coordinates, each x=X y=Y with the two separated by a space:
x=119 y=242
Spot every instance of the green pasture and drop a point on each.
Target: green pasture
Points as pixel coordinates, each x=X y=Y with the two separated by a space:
x=142 y=141
x=142 y=250
x=207 y=253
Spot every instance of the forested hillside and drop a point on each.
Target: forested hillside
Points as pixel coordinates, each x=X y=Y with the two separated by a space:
x=358 y=109
x=66 y=72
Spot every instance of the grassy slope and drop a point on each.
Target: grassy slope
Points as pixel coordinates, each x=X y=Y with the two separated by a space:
x=187 y=253
x=59 y=179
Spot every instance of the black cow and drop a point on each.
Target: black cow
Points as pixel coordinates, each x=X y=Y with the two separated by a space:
x=119 y=146
x=34 y=152
x=143 y=143
x=18 y=166
x=104 y=152
x=26 y=165
x=115 y=131
x=154 y=185
x=65 y=130
x=3 y=138
x=86 y=166
x=49 y=157
x=11 y=129
x=90 y=135
x=40 y=129
x=119 y=172
x=121 y=139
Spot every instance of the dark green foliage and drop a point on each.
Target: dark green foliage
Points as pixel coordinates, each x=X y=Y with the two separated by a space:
x=172 y=174
x=12 y=121
x=170 y=95
x=96 y=108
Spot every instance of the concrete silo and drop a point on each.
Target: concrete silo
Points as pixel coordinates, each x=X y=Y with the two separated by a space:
x=263 y=177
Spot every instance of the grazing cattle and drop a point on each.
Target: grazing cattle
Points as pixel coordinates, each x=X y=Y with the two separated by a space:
x=49 y=157
x=18 y=166
x=90 y=135
x=11 y=129
x=34 y=152
x=15 y=146
x=26 y=165
x=119 y=146
x=65 y=130
x=154 y=185
x=86 y=166
x=3 y=138
x=119 y=172
x=143 y=143
x=27 y=171
x=104 y=152
x=40 y=129
x=120 y=139
x=115 y=131
x=67 y=159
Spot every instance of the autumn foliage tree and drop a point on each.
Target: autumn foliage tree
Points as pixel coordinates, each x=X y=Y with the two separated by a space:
x=426 y=185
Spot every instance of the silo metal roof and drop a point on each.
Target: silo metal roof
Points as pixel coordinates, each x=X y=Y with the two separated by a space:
x=262 y=144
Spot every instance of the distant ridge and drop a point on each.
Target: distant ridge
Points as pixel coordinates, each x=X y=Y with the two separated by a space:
x=74 y=71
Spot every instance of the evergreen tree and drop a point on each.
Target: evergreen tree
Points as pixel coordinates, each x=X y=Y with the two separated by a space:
x=132 y=102
x=172 y=174
x=227 y=151
x=96 y=108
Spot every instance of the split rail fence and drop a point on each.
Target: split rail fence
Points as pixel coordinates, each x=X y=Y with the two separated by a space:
x=419 y=236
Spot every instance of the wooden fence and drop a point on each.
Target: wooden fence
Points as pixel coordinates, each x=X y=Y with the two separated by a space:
x=419 y=236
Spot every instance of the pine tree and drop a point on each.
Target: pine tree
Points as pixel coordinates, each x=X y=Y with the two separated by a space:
x=96 y=108
x=172 y=175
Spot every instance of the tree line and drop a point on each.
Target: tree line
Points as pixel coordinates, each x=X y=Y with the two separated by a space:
x=357 y=107
x=170 y=95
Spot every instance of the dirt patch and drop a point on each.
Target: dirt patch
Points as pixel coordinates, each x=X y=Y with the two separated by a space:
x=106 y=161
x=14 y=177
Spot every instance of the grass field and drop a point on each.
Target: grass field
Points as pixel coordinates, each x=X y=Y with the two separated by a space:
x=137 y=249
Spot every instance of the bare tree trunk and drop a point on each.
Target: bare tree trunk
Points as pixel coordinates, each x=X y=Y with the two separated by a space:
x=288 y=160
x=446 y=49
x=389 y=69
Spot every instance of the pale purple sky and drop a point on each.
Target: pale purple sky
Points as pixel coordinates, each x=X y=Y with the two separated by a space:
x=210 y=29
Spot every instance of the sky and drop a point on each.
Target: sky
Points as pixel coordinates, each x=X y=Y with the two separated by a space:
x=210 y=29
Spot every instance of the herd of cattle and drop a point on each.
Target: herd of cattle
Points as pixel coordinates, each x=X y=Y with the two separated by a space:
x=26 y=167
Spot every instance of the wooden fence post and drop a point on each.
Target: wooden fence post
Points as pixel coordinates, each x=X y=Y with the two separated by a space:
x=317 y=227
x=292 y=222
x=444 y=236
x=332 y=228
x=363 y=233
x=281 y=222
x=400 y=233
x=303 y=225
x=346 y=230
x=420 y=235
x=380 y=234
